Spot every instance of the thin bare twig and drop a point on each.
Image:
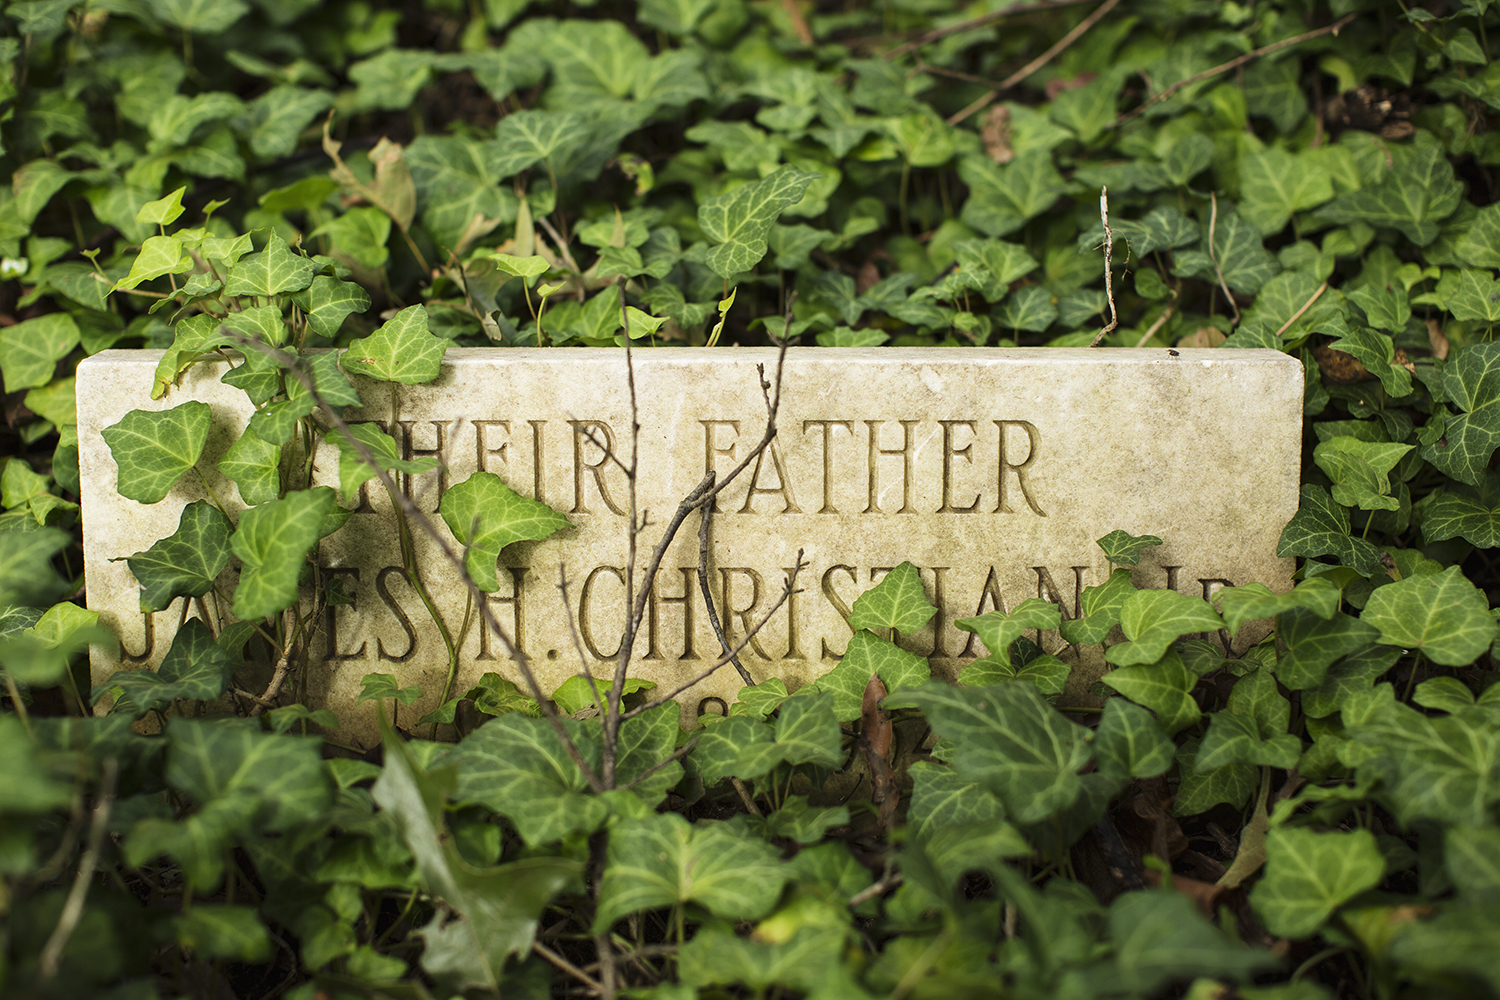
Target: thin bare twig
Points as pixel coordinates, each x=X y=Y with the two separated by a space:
x=707 y=513
x=1235 y=63
x=278 y=676
x=645 y=951
x=1109 y=278
x=1213 y=255
x=567 y=966
x=745 y=796
x=1062 y=43
x=1161 y=321
x=731 y=654
x=880 y=888
x=1305 y=307
x=522 y=661
x=982 y=21
x=677 y=754
x=72 y=910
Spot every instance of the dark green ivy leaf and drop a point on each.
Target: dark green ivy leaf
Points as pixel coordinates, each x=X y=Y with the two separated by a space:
x=186 y=563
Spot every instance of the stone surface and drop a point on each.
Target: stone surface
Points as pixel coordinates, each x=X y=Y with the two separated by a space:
x=993 y=471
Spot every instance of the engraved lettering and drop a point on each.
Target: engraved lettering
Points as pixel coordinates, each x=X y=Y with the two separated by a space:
x=581 y=432
x=783 y=487
x=1034 y=439
x=1047 y=590
x=363 y=506
x=653 y=652
x=1171 y=576
x=536 y=459
x=905 y=451
x=726 y=574
x=1212 y=586
x=149 y=643
x=792 y=652
x=949 y=453
x=712 y=448
x=518 y=617
x=384 y=591
x=939 y=620
x=989 y=594
x=482 y=449
x=828 y=426
x=439 y=451
x=585 y=623
x=335 y=648
x=838 y=603
x=713 y=700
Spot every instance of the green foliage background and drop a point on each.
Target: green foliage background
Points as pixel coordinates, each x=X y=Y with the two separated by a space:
x=1315 y=818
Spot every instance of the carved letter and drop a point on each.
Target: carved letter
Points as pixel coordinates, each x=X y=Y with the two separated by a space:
x=726 y=574
x=482 y=450
x=711 y=448
x=585 y=626
x=967 y=451
x=783 y=489
x=686 y=600
x=990 y=595
x=792 y=652
x=1047 y=590
x=904 y=451
x=334 y=652
x=939 y=620
x=536 y=459
x=581 y=429
x=828 y=426
x=1034 y=438
x=148 y=645
x=518 y=618
x=406 y=626
x=838 y=602
x=439 y=452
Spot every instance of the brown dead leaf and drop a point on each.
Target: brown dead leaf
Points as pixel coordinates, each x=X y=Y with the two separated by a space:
x=995 y=134
x=867 y=278
x=1208 y=336
x=875 y=738
x=394 y=190
x=1340 y=368
x=1437 y=339
x=1203 y=894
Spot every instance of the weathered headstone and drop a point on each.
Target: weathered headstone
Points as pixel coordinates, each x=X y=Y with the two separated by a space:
x=993 y=471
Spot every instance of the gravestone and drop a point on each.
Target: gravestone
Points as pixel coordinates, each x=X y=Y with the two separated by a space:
x=993 y=471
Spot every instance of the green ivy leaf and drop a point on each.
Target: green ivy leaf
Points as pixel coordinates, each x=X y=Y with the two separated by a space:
x=517 y=766
x=1414 y=197
x=897 y=602
x=1010 y=741
x=740 y=220
x=1437 y=768
x=1165 y=687
x=1130 y=743
x=354 y=471
x=262 y=323
x=273 y=271
x=1101 y=609
x=31 y=349
x=153 y=450
x=1442 y=614
x=1313 y=644
x=1233 y=739
x=806 y=732
x=165 y=211
x=327 y=302
x=1453 y=515
x=941 y=798
x=220 y=931
x=1275 y=185
x=1309 y=875
x=1230 y=785
x=1047 y=672
x=272 y=542
x=401 y=350
x=998 y=630
x=1003 y=198
x=1360 y=471
x=665 y=861
x=1154 y=619
x=254 y=467
x=192 y=338
x=1253 y=601
x=1385 y=308
x=485 y=515
x=868 y=654
x=1124 y=549
x=186 y=563
x=207 y=17
x=378 y=687
x=761 y=700
x=458 y=186
x=1471 y=380
x=160 y=255
x=1321 y=528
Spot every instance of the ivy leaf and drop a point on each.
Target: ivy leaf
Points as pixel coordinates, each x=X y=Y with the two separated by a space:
x=218 y=931
x=528 y=269
x=1309 y=875
x=1010 y=741
x=378 y=687
x=526 y=138
x=1375 y=351
x=762 y=699
x=192 y=338
x=1414 y=198
x=1314 y=644
x=1435 y=768
x=159 y=255
x=196 y=668
x=1047 y=672
x=663 y=860
x=807 y=732
x=740 y=220
x=1154 y=619
x=998 y=630
x=1452 y=515
x=675 y=17
x=401 y=350
x=1243 y=258
x=1130 y=742
x=485 y=515
x=1234 y=739
x=1231 y=784
x=186 y=563
x=272 y=271
x=941 y=798
x=868 y=654
x=354 y=471
x=1255 y=600
x=897 y=602
x=153 y=450
x=1321 y=528
x=1165 y=687
x=206 y=17
x=1442 y=614
x=1471 y=380
x=1360 y=471
x=1159 y=937
x=1124 y=549
x=645 y=742
x=272 y=542
x=165 y=211
x=327 y=302
x=1030 y=309
x=458 y=188
x=254 y=466
x=516 y=765
x=26 y=573
x=31 y=349
x=332 y=385
x=1101 y=609
x=1275 y=185
x=1385 y=308
x=1477 y=297
x=1002 y=199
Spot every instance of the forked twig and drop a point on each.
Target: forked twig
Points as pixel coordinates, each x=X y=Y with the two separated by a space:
x=1109 y=279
